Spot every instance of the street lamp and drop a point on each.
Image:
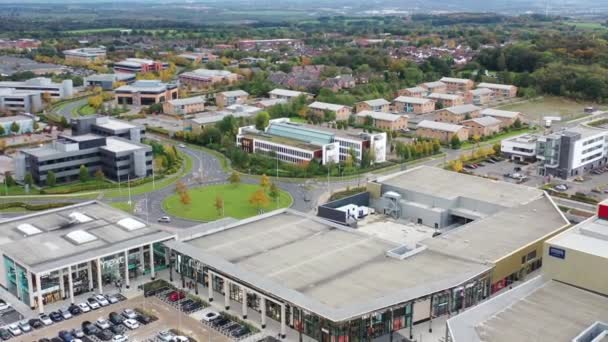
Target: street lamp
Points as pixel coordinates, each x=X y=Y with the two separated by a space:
x=171 y=260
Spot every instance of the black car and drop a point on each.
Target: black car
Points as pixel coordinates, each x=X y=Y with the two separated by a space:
x=116 y=318
x=65 y=336
x=192 y=306
x=5 y=335
x=104 y=335
x=74 y=310
x=220 y=322
x=55 y=316
x=56 y=339
x=154 y=292
x=118 y=329
x=89 y=328
x=143 y=319
x=44 y=340
x=232 y=327
x=36 y=323
x=240 y=332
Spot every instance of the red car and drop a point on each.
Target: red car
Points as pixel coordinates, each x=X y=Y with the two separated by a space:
x=175 y=296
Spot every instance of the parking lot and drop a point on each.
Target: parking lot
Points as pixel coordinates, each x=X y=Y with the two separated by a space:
x=168 y=318
x=508 y=171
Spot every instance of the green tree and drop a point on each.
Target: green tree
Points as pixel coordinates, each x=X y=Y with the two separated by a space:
x=15 y=127
x=496 y=148
x=51 y=179
x=99 y=176
x=273 y=192
x=28 y=179
x=455 y=142
x=261 y=120
x=84 y=173
x=64 y=122
x=234 y=178
x=8 y=179
x=517 y=123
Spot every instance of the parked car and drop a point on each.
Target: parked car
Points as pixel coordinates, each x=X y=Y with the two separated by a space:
x=66 y=336
x=25 y=326
x=154 y=292
x=143 y=319
x=84 y=307
x=128 y=313
x=102 y=323
x=165 y=336
x=210 y=316
x=45 y=319
x=118 y=329
x=65 y=313
x=182 y=146
x=242 y=331
x=164 y=219
x=120 y=338
x=181 y=339
x=5 y=335
x=175 y=296
x=56 y=316
x=102 y=300
x=111 y=299
x=36 y=323
x=89 y=328
x=561 y=187
x=220 y=321
x=14 y=330
x=77 y=333
x=4 y=305
x=93 y=304
x=131 y=323
x=75 y=310
x=116 y=318
x=104 y=335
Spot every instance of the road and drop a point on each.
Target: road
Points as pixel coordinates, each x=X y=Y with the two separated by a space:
x=66 y=110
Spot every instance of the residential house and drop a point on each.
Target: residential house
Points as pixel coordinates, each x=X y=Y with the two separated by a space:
x=446 y=100
x=228 y=98
x=500 y=90
x=507 y=118
x=339 y=82
x=435 y=87
x=377 y=105
x=382 y=120
x=413 y=92
x=483 y=126
x=185 y=106
x=457 y=85
x=441 y=131
x=458 y=114
x=287 y=94
x=341 y=112
x=414 y=105
x=479 y=96
x=270 y=102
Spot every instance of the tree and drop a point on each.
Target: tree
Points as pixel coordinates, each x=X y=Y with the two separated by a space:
x=261 y=120
x=99 y=176
x=516 y=123
x=496 y=148
x=264 y=181
x=180 y=187
x=2 y=132
x=95 y=101
x=185 y=198
x=456 y=165
x=15 y=127
x=28 y=179
x=273 y=192
x=219 y=205
x=64 y=122
x=84 y=173
x=455 y=142
x=234 y=178
x=46 y=97
x=8 y=179
x=259 y=199
x=51 y=179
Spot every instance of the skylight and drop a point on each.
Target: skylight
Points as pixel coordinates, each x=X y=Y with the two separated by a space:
x=28 y=229
x=79 y=237
x=131 y=224
x=80 y=217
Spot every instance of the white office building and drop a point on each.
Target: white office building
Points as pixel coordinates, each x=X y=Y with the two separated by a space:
x=62 y=90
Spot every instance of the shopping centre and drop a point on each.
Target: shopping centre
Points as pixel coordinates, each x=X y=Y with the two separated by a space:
x=61 y=253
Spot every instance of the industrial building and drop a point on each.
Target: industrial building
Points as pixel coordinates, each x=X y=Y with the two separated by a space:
x=43 y=85
x=60 y=253
x=567 y=302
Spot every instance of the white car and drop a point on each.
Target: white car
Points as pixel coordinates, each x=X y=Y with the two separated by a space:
x=25 y=326
x=93 y=304
x=181 y=339
x=182 y=146
x=14 y=330
x=210 y=315
x=102 y=300
x=166 y=336
x=111 y=299
x=45 y=319
x=4 y=305
x=84 y=307
x=131 y=323
x=102 y=323
x=164 y=219
x=128 y=313
x=120 y=338
x=65 y=313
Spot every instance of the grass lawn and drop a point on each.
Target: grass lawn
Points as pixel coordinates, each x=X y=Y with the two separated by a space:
x=536 y=109
x=468 y=145
x=85 y=110
x=236 y=202
x=124 y=206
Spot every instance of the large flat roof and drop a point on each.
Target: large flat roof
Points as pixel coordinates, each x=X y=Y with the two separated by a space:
x=539 y=310
x=52 y=239
x=334 y=271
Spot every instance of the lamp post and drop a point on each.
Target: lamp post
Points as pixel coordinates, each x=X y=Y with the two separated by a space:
x=171 y=260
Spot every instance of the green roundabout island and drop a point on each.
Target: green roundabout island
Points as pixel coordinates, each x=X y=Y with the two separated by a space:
x=236 y=199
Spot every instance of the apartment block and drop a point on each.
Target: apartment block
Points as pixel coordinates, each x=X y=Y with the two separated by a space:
x=507 y=118
x=137 y=65
x=435 y=87
x=85 y=55
x=228 y=98
x=187 y=106
x=413 y=105
x=446 y=100
x=457 y=114
x=479 y=96
x=376 y=105
x=13 y=100
x=43 y=85
x=204 y=78
x=341 y=112
x=384 y=121
x=145 y=92
x=483 y=126
x=413 y=92
x=441 y=131
x=455 y=85
x=500 y=90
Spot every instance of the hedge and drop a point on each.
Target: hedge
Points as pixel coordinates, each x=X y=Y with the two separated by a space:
x=34 y=207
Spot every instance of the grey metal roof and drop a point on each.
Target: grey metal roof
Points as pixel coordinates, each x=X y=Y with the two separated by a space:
x=440 y=126
x=485 y=121
x=462 y=109
x=235 y=93
x=409 y=99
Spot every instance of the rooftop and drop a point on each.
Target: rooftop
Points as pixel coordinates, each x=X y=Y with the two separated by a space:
x=286 y=92
x=462 y=109
x=117 y=145
x=113 y=124
x=485 y=121
x=299 y=132
x=235 y=93
x=143 y=85
x=377 y=102
x=481 y=91
x=584 y=130
x=86 y=51
x=70 y=235
x=499 y=113
x=441 y=96
x=589 y=237
x=454 y=80
x=440 y=126
x=435 y=84
x=524 y=138
x=187 y=101
x=416 y=89
x=206 y=73
x=408 y=99
x=110 y=77
x=494 y=86
x=325 y=106
x=15 y=118
x=380 y=115
x=283 y=140
x=334 y=271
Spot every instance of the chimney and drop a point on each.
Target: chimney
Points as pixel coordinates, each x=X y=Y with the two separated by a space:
x=602 y=210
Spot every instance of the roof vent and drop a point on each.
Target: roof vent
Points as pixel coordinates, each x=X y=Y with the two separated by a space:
x=80 y=237
x=597 y=332
x=28 y=229
x=131 y=224
x=402 y=252
x=79 y=217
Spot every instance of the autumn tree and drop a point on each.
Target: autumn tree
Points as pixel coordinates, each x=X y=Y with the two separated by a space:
x=259 y=199
x=264 y=181
x=95 y=101
x=15 y=127
x=219 y=205
x=456 y=165
x=234 y=178
x=99 y=176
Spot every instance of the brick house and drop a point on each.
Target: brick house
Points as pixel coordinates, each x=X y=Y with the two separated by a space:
x=455 y=85
x=413 y=92
x=435 y=87
x=441 y=131
x=342 y=112
x=415 y=105
x=385 y=121
x=479 y=96
x=377 y=105
x=458 y=114
x=228 y=98
x=507 y=118
x=500 y=90
x=483 y=126
x=446 y=100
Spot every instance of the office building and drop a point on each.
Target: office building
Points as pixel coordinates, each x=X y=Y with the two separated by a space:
x=43 y=85
x=204 y=78
x=13 y=100
x=145 y=92
x=187 y=106
x=137 y=65
x=85 y=55
x=229 y=98
x=520 y=148
x=108 y=81
x=107 y=127
x=60 y=253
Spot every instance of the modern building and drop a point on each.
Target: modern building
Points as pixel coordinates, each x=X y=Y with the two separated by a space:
x=483 y=126
x=204 y=78
x=198 y=57
x=441 y=131
x=382 y=120
x=24 y=122
x=446 y=100
x=145 y=92
x=458 y=114
x=266 y=44
x=507 y=118
x=340 y=111
x=567 y=302
x=572 y=152
x=13 y=100
x=413 y=92
x=187 y=106
x=137 y=65
x=43 y=85
x=208 y=119
x=108 y=81
x=457 y=85
x=413 y=105
x=435 y=87
x=521 y=147
x=61 y=253
x=107 y=127
x=288 y=95
x=500 y=90
x=376 y=105
x=85 y=55
x=300 y=143
x=479 y=96
x=228 y=98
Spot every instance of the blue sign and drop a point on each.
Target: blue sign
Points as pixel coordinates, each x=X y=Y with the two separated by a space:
x=557 y=252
